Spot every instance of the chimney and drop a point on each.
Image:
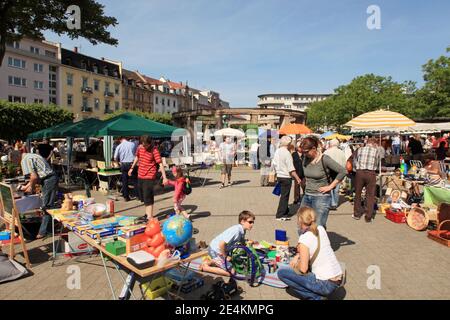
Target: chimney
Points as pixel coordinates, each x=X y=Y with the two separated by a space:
x=75 y=49
x=103 y=58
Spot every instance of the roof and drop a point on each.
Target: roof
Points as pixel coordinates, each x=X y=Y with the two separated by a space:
x=176 y=85
x=152 y=81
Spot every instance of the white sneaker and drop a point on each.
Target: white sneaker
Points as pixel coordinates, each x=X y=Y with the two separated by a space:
x=283 y=219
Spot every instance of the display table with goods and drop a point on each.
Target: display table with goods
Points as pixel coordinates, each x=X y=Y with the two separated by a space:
x=143 y=251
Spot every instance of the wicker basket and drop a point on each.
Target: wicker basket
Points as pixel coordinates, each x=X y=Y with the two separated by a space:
x=441 y=235
x=417 y=219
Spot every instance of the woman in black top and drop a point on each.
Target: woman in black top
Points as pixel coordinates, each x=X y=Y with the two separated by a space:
x=297 y=159
x=440 y=151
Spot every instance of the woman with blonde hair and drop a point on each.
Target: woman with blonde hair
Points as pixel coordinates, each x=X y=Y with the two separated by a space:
x=314 y=272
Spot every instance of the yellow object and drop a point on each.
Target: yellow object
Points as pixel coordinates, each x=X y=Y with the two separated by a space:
x=79 y=197
x=338 y=136
x=157 y=287
x=282 y=243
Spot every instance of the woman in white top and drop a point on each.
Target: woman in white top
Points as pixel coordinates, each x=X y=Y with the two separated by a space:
x=324 y=276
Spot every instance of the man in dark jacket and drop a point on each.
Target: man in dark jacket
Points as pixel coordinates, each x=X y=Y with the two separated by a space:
x=297 y=158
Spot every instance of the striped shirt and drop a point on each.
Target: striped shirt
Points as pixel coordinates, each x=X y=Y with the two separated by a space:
x=367 y=158
x=148 y=163
x=32 y=162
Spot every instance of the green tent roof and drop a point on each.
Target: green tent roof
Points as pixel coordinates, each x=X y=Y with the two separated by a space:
x=129 y=124
x=49 y=132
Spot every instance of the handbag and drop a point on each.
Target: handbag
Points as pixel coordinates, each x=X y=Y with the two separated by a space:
x=349 y=165
x=277 y=189
x=272 y=177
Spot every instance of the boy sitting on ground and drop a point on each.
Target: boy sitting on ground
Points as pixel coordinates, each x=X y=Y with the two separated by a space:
x=220 y=245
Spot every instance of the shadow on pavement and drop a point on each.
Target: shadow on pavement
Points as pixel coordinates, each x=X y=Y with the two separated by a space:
x=337 y=240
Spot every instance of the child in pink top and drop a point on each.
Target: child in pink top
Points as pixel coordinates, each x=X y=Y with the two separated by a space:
x=178 y=196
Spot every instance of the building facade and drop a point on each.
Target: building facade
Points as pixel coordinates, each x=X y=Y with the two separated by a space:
x=90 y=87
x=297 y=102
x=137 y=95
x=29 y=72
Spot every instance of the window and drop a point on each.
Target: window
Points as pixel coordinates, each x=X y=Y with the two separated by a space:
x=126 y=93
x=50 y=54
x=116 y=105
x=116 y=89
x=13 y=44
x=156 y=100
x=38 y=67
x=105 y=71
x=69 y=100
x=69 y=79
x=38 y=85
x=17 y=99
x=174 y=103
x=83 y=64
x=106 y=86
x=107 y=106
x=96 y=85
x=85 y=103
x=38 y=100
x=16 y=63
x=53 y=100
x=34 y=50
x=17 y=81
x=97 y=104
x=162 y=101
x=168 y=102
x=85 y=82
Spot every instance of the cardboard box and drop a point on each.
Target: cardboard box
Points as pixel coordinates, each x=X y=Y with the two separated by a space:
x=76 y=245
x=131 y=231
x=95 y=234
x=135 y=243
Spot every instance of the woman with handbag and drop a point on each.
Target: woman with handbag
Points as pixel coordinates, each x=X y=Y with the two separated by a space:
x=322 y=175
x=314 y=272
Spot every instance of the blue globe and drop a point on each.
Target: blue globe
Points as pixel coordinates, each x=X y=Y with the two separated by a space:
x=177 y=230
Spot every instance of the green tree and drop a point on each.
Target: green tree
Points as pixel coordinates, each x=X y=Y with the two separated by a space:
x=17 y=120
x=29 y=18
x=363 y=94
x=165 y=118
x=433 y=99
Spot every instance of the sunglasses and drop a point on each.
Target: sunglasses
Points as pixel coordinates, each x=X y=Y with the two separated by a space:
x=251 y=221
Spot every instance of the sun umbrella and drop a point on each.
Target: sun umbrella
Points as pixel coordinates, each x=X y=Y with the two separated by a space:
x=381 y=120
x=327 y=134
x=337 y=136
x=230 y=132
x=295 y=128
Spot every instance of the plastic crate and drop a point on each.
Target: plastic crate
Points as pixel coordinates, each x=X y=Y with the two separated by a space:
x=397 y=217
x=157 y=287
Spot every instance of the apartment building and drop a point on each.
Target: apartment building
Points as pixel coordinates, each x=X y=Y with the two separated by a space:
x=137 y=95
x=298 y=102
x=90 y=87
x=29 y=72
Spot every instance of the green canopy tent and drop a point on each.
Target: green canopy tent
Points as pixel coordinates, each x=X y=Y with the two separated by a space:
x=128 y=124
x=49 y=132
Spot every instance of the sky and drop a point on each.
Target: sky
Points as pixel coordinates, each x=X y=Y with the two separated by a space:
x=245 y=48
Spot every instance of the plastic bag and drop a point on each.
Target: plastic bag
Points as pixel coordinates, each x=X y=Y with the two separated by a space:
x=277 y=189
x=166 y=257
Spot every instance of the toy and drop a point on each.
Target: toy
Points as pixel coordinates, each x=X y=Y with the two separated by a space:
x=68 y=202
x=190 y=285
x=244 y=261
x=155 y=239
x=280 y=235
x=116 y=248
x=223 y=291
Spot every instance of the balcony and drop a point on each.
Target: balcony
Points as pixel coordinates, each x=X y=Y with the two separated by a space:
x=108 y=111
x=86 y=90
x=109 y=94
x=86 y=109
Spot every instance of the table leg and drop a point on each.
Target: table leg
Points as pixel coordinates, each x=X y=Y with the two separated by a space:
x=128 y=285
x=53 y=241
x=107 y=275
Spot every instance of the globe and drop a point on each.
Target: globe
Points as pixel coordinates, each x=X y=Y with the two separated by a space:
x=177 y=230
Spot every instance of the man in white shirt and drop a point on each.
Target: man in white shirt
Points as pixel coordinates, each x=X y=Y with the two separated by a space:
x=253 y=155
x=284 y=167
x=338 y=156
x=227 y=151
x=396 y=143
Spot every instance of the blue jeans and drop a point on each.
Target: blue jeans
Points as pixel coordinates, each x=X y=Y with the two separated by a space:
x=321 y=205
x=254 y=160
x=307 y=286
x=396 y=149
x=49 y=190
x=335 y=196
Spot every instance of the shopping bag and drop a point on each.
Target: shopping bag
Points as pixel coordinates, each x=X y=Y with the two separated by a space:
x=272 y=177
x=277 y=190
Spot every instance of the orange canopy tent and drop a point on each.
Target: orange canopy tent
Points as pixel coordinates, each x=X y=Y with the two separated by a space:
x=295 y=128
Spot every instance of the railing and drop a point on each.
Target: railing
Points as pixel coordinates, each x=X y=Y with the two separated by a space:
x=109 y=94
x=86 y=90
x=86 y=109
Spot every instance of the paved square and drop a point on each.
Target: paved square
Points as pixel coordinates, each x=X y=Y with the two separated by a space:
x=411 y=266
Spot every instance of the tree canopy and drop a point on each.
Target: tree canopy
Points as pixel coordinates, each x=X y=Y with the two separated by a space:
x=372 y=92
x=25 y=18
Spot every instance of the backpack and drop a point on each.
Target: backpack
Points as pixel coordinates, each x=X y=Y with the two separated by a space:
x=187 y=188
